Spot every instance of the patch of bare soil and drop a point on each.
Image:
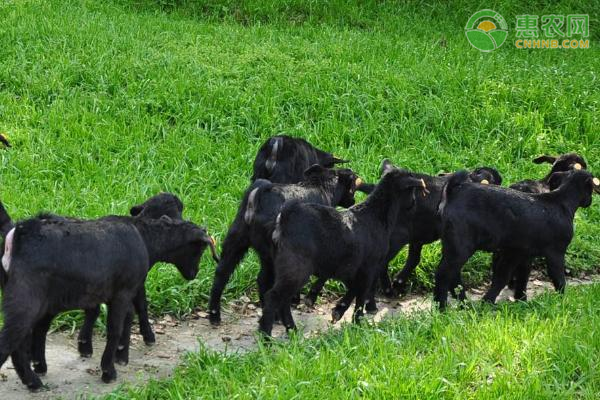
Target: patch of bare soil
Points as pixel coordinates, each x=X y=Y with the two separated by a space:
x=70 y=376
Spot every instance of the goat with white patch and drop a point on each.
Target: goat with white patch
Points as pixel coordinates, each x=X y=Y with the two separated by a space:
x=55 y=264
x=253 y=225
x=349 y=245
x=283 y=159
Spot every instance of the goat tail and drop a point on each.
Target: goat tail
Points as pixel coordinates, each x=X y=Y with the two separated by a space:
x=252 y=198
x=455 y=181
x=282 y=221
x=275 y=145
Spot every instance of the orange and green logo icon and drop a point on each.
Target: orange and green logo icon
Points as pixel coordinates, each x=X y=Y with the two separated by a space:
x=486 y=30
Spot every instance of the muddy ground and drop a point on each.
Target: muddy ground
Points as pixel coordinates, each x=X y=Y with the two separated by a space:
x=70 y=376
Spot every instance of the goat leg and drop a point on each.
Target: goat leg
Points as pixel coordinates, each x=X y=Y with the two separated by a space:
x=84 y=340
x=141 y=309
x=38 y=345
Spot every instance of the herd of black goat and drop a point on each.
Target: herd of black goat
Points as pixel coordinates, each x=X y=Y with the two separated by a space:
x=288 y=215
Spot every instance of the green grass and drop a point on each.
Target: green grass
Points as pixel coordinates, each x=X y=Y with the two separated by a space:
x=547 y=348
x=107 y=103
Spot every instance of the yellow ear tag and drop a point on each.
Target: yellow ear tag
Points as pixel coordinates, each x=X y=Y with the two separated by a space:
x=596 y=182
x=577 y=166
x=358 y=182
x=485 y=182
x=212 y=239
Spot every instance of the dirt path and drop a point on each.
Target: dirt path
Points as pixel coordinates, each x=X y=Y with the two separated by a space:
x=70 y=376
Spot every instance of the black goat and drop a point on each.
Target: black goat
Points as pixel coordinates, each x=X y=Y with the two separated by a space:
x=283 y=159
x=565 y=162
x=350 y=245
x=155 y=207
x=522 y=267
x=478 y=217
x=56 y=264
x=422 y=228
x=255 y=220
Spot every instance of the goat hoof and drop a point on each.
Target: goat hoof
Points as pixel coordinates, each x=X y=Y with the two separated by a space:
x=399 y=287
x=309 y=301
x=109 y=376
x=122 y=359
x=122 y=356
x=214 y=319
x=85 y=349
x=149 y=339
x=371 y=308
x=521 y=297
x=336 y=315
x=35 y=385
x=265 y=336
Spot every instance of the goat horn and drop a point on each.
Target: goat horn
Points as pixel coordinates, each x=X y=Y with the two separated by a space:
x=4 y=139
x=337 y=160
x=212 y=243
x=425 y=190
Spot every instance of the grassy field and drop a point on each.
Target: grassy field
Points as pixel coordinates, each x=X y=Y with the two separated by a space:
x=109 y=102
x=546 y=349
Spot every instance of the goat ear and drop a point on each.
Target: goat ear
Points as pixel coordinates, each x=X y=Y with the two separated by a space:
x=386 y=166
x=497 y=176
x=544 y=159
x=314 y=170
x=136 y=210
